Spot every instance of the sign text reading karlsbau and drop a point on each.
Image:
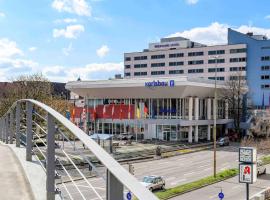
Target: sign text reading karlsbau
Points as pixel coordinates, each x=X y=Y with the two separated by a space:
x=160 y=83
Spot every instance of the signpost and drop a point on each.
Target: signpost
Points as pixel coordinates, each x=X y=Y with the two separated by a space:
x=129 y=196
x=220 y=195
x=247 y=166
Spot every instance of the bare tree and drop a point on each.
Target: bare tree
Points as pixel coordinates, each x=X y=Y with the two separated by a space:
x=234 y=91
x=34 y=86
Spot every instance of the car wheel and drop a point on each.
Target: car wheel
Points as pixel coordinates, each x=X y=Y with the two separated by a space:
x=151 y=189
x=264 y=172
x=163 y=187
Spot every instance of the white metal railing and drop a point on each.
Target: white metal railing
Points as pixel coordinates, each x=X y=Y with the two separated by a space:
x=25 y=122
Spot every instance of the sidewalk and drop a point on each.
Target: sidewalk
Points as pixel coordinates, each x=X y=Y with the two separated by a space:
x=232 y=189
x=13 y=183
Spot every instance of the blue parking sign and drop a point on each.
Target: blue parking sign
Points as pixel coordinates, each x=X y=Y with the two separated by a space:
x=221 y=195
x=128 y=196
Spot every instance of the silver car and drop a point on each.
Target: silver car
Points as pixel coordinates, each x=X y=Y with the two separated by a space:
x=153 y=182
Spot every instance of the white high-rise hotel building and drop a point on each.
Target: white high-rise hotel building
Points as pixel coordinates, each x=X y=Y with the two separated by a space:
x=180 y=56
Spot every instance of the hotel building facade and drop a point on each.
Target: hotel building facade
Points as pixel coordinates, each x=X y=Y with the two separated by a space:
x=174 y=108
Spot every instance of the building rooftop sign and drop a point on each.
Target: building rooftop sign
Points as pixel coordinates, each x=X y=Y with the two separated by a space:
x=160 y=83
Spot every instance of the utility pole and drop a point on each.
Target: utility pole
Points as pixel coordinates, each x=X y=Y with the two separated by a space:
x=215 y=118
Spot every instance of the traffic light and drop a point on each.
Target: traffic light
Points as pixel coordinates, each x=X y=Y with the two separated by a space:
x=131 y=169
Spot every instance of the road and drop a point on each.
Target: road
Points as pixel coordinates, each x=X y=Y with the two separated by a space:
x=175 y=170
x=231 y=188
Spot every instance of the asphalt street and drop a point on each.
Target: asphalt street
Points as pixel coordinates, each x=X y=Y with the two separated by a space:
x=175 y=170
x=232 y=189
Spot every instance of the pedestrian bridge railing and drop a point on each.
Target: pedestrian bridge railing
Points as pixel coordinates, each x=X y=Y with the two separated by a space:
x=58 y=145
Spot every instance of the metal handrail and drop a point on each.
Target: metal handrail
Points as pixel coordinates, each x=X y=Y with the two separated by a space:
x=115 y=171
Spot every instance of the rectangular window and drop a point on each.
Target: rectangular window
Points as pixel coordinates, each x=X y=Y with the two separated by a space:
x=157 y=72
x=127 y=66
x=140 y=65
x=243 y=50
x=265 y=58
x=140 y=73
x=158 y=56
x=127 y=74
x=157 y=64
x=219 y=78
x=265 y=68
x=176 y=63
x=266 y=86
x=140 y=58
x=176 y=71
x=192 y=71
x=236 y=69
x=127 y=59
x=238 y=59
x=200 y=53
x=235 y=78
x=195 y=62
x=265 y=77
x=218 y=69
x=176 y=55
x=216 y=52
x=212 y=61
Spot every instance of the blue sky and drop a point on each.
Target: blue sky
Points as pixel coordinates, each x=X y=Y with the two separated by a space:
x=64 y=39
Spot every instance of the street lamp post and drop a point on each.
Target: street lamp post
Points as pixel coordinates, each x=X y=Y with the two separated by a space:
x=215 y=119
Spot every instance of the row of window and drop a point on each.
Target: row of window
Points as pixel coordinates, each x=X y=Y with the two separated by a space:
x=265 y=58
x=219 y=78
x=190 y=54
x=265 y=86
x=210 y=70
x=265 y=68
x=265 y=77
x=236 y=69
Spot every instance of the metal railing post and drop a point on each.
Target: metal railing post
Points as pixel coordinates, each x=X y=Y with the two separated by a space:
x=18 y=121
x=114 y=188
x=6 y=129
x=2 y=129
x=11 y=127
x=29 y=134
x=50 y=161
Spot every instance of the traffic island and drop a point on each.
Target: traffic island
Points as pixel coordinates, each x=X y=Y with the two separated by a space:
x=188 y=187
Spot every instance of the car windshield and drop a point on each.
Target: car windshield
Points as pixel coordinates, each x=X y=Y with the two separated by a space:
x=148 y=179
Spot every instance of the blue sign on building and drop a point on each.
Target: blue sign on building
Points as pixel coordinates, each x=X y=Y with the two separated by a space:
x=159 y=83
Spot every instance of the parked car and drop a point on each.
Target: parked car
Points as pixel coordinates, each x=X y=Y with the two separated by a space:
x=261 y=169
x=224 y=141
x=153 y=182
x=125 y=136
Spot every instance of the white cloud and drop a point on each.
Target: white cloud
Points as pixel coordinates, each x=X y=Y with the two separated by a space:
x=2 y=14
x=71 y=32
x=32 y=49
x=66 y=51
x=79 y=7
x=216 y=33
x=103 y=51
x=66 y=20
x=267 y=17
x=64 y=74
x=8 y=48
x=192 y=2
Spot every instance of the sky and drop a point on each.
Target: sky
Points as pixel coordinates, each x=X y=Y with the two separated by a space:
x=67 y=39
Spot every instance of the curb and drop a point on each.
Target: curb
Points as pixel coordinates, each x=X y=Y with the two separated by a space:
x=191 y=190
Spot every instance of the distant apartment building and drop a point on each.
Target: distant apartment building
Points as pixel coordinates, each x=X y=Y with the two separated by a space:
x=246 y=56
x=258 y=65
x=180 y=56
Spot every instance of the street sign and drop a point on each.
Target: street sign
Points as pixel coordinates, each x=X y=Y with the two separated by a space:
x=247 y=154
x=221 y=195
x=129 y=196
x=247 y=173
